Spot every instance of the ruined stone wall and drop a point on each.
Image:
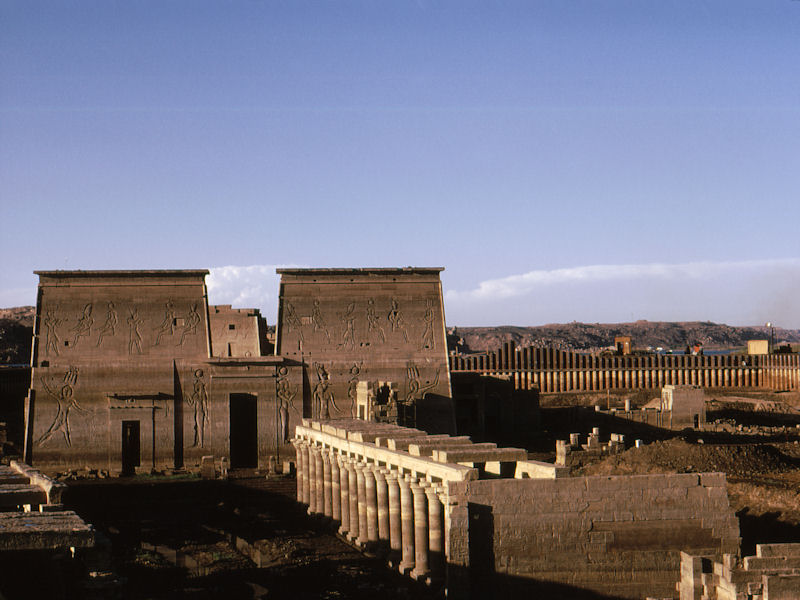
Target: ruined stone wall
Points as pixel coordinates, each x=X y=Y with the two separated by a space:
x=616 y=535
x=554 y=370
x=351 y=325
x=235 y=332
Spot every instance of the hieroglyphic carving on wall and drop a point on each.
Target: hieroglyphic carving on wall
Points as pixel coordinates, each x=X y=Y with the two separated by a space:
x=352 y=388
x=318 y=320
x=349 y=319
x=83 y=328
x=167 y=326
x=51 y=323
x=191 y=322
x=373 y=324
x=322 y=395
x=198 y=400
x=286 y=394
x=395 y=318
x=134 y=336
x=293 y=321
x=109 y=327
x=64 y=395
x=413 y=389
x=428 y=340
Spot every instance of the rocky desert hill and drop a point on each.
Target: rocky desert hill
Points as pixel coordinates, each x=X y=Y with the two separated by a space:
x=595 y=336
x=16 y=327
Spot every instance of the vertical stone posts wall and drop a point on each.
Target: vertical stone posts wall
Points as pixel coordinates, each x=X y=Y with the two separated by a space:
x=558 y=371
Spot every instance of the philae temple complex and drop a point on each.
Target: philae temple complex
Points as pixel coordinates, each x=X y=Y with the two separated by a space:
x=407 y=449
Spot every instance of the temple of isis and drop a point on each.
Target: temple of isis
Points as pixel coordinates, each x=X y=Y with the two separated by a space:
x=133 y=371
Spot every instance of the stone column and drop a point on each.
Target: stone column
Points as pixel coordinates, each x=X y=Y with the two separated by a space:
x=319 y=480
x=406 y=525
x=363 y=535
x=395 y=531
x=336 y=494
x=299 y=471
x=420 y=531
x=352 y=485
x=344 y=488
x=382 y=496
x=312 y=479
x=435 y=534
x=370 y=493
x=326 y=482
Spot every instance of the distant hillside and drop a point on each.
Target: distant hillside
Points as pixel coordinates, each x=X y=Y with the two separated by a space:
x=594 y=336
x=16 y=328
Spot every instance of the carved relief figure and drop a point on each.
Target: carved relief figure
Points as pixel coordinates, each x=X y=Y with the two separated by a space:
x=349 y=320
x=427 y=333
x=134 y=337
x=190 y=324
x=199 y=402
x=318 y=321
x=395 y=317
x=322 y=395
x=373 y=324
x=285 y=401
x=51 y=323
x=65 y=398
x=84 y=325
x=293 y=321
x=352 y=388
x=413 y=389
x=110 y=325
x=168 y=324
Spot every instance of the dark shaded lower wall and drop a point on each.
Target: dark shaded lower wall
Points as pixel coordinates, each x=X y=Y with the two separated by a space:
x=618 y=536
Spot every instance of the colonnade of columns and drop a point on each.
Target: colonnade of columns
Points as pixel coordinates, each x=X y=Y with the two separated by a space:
x=377 y=506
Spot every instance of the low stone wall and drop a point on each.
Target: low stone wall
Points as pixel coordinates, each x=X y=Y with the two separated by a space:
x=619 y=535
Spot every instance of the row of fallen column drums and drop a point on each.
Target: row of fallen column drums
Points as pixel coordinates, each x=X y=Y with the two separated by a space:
x=378 y=508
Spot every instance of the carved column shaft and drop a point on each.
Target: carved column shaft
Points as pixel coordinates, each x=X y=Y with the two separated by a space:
x=327 y=505
x=372 y=504
x=299 y=468
x=406 y=525
x=363 y=534
x=344 y=488
x=318 y=480
x=382 y=495
x=420 y=531
x=395 y=531
x=336 y=495
x=435 y=533
x=352 y=484
x=312 y=479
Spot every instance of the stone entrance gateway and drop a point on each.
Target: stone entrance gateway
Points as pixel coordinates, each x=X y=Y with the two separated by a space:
x=131 y=447
x=244 y=431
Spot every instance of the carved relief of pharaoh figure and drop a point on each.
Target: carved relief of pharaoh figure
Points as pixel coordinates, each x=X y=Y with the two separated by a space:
x=65 y=401
x=349 y=320
x=51 y=323
x=190 y=325
x=318 y=320
x=428 y=340
x=109 y=328
x=83 y=328
x=395 y=318
x=167 y=326
x=373 y=324
x=134 y=336
x=199 y=402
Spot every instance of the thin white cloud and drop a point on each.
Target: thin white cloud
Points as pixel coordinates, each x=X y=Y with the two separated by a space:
x=735 y=292
x=521 y=285
x=253 y=286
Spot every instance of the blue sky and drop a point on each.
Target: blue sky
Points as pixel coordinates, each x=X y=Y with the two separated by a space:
x=584 y=160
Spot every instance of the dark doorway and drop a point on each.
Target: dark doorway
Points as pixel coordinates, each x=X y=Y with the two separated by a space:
x=131 y=447
x=244 y=431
